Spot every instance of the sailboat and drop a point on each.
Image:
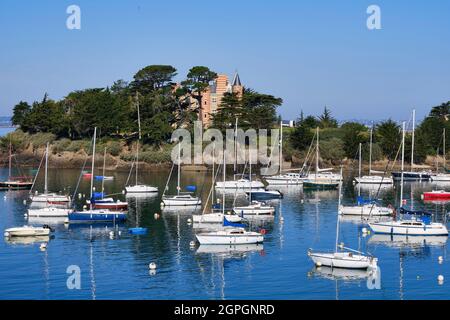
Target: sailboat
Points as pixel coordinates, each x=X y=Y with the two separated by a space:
x=442 y=177
x=241 y=183
x=365 y=208
x=291 y=178
x=96 y=215
x=181 y=198
x=411 y=227
x=28 y=231
x=373 y=179
x=216 y=217
x=347 y=258
x=107 y=203
x=46 y=197
x=15 y=183
x=412 y=175
x=322 y=179
x=139 y=187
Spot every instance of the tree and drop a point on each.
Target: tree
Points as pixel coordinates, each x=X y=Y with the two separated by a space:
x=259 y=111
x=229 y=109
x=326 y=120
x=20 y=112
x=198 y=79
x=310 y=122
x=301 y=137
x=388 y=136
x=441 y=112
x=354 y=134
x=153 y=77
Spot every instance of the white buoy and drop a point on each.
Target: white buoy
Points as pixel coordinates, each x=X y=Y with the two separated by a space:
x=189 y=221
x=156 y=216
x=43 y=246
x=24 y=201
x=192 y=243
x=123 y=191
x=119 y=233
x=440 y=259
x=364 y=230
x=152 y=266
x=440 y=279
x=318 y=264
x=79 y=195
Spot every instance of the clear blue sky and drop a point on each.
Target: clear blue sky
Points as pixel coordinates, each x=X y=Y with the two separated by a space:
x=310 y=53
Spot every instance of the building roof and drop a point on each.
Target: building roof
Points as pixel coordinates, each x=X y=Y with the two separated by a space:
x=236 y=80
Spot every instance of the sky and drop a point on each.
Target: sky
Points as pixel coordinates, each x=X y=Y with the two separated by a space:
x=310 y=53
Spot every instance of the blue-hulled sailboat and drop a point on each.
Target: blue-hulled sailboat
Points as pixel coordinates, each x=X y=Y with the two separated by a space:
x=96 y=215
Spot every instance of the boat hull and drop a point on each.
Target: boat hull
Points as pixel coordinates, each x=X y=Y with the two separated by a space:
x=215 y=218
x=50 y=198
x=111 y=205
x=374 y=180
x=205 y=239
x=181 y=202
x=396 y=228
x=264 y=195
x=239 y=184
x=254 y=211
x=308 y=185
x=344 y=260
x=48 y=212
x=412 y=176
x=15 y=185
x=365 y=210
x=141 y=189
x=283 y=180
x=27 y=232
x=436 y=195
x=97 y=216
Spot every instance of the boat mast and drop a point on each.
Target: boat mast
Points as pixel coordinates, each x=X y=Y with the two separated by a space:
x=412 y=142
x=179 y=167
x=46 y=170
x=92 y=168
x=224 y=178
x=317 y=153
x=281 y=147
x=139 y=138
x=337 y=223
x=445 y=162
x=213 y=171
x=235 y=146
x=359 y=169
x=370 y=150
x=403 y=165
x=10 y=156
x=103 y=174
x=250 y=163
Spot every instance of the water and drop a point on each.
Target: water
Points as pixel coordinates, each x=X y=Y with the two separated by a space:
x=117 y=268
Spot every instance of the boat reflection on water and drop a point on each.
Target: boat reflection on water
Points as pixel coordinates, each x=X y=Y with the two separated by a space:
x=186 y=210
x=400 y=241
x=360 y=220
x=230 y=250
x=97 y=230
x=51 y=221
x=345 y=274
x=28 y=240
x=288 y=191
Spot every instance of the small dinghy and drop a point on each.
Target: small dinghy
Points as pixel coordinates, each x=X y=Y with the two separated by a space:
x=141 y=188
x=28 y=231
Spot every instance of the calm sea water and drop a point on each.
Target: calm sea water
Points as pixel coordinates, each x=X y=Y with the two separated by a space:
x=117 y=267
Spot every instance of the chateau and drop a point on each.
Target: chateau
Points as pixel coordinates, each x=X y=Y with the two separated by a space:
x=213 y=95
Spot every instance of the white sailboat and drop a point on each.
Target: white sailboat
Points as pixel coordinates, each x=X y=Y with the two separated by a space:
x=442 y=177
x=181 y=198
x=242 y=183
x=216 y=217
x=412 y=175
x=412 y=227
x=374 y=177
x=229 y=236
x=365 y=209
x=139 y=187
x=284 y=178
x=347 y=258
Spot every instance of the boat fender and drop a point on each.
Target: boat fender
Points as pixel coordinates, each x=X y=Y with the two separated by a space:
x=152 y=266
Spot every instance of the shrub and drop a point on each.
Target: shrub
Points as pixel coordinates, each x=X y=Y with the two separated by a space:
x=40 y=139
x=78 y=145
x=19 y=140
x=60 y=145
x=332 y=149
x=114 y=148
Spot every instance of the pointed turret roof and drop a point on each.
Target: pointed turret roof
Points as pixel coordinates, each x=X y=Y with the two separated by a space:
x=236 y=80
